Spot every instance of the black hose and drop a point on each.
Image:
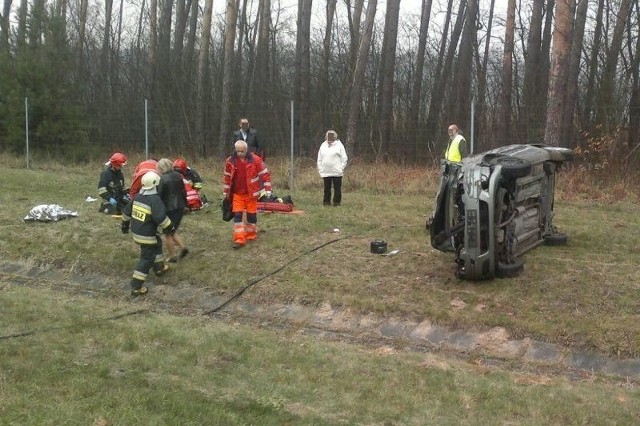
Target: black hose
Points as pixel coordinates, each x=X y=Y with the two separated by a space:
x=258 y=279
x=44 y=330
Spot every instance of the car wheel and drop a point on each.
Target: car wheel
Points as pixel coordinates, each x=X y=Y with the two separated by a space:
x=556 y=240
x=511 y=167
x=509 y=270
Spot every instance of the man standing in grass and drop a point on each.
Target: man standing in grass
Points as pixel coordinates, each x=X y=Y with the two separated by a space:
x=456 y=148
x=147 y=213
x=243 y=173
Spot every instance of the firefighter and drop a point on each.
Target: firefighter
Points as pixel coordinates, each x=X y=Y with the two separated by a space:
x=147 y=212
x=111 y=185
x=192 y=184
x=180 y=165
x=150 y=165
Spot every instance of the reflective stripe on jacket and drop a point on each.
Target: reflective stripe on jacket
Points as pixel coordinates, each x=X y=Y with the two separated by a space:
x=146 y=213
x=256 y=172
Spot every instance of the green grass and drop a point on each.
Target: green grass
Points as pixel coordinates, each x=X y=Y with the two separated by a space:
x=81 y=366
x=583 y=294
x=154 y=368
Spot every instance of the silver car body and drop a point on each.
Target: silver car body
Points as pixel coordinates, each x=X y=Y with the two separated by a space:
x=495 y=206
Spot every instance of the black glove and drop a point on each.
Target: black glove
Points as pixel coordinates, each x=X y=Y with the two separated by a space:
x=170 y=230
x=125 y=227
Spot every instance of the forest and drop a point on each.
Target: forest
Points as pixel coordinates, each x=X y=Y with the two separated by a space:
x=81 y=79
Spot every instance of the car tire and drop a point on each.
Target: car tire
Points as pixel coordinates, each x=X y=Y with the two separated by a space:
x=556 y=240
x=509 y=270
x=511 y=167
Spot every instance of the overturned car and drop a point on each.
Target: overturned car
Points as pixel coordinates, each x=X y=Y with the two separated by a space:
x=495 y=206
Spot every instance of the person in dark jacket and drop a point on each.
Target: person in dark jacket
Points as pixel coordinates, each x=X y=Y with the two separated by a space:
x=111 y=185
x=144 y=215
x=174 y=196
x=248 y=134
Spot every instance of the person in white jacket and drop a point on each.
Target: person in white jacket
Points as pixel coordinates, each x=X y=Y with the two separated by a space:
x=332 y=159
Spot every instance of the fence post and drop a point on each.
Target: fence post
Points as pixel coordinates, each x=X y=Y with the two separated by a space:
x=292 y=169
x=146 y=130
x=26 y=126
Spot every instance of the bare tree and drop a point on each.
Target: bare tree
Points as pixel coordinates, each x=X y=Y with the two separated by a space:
x=574 y=71
x=388 y=67
x=418 y=76
x=4 y=25
x=559 y=69
x=21 y=33
x=324 y=90
x=482 y=73
x=592 y=66
x=445 y=62
x=504 y=125
x=302 y=83
x=358 y=76
x=203 y=67
x=533 y=73
x=461 y=94
x=231 y=19
x=607 y=114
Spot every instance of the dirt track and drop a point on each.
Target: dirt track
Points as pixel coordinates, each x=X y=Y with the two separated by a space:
x=492 y=347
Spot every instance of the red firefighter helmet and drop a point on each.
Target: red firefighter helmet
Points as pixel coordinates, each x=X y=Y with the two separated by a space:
x=180 y=164
x=118 y=160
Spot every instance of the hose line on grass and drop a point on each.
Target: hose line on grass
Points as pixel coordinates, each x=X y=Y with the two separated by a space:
x=275 y=271
x=44 y=330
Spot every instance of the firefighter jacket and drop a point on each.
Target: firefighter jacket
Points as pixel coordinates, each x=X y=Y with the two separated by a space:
x=142 y=168
x=194 y=178
x=111 y=184
x=256 y=172
x=455 y=148
x=172 y=192
x=146 y=212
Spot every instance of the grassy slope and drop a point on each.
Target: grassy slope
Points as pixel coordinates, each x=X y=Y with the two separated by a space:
x=582 y=294
x=82 y=366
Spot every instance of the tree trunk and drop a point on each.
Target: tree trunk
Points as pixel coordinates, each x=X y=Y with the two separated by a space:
x=442 y=76
x=21 y=34
x=358 y=77
x=607 y=114
x=418 y=77
x=460 y=99
x=568 y=135
x=231 y=20
x=203 y=76
x=532 y=70
x=388 y=68
x=324 y=89
x=181 y=27
x=4 y=26
x=589 y=98
x=482 y=79
x=504 y=134
x=302 y=82
x=354 y=19
x=262 y=71
x=559 y=69
x=634 y=101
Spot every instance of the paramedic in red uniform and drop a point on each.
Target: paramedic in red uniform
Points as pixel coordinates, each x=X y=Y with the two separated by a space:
x=243 y=172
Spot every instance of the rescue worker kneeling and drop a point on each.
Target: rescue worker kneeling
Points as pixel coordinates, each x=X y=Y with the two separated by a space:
x=147 y=212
